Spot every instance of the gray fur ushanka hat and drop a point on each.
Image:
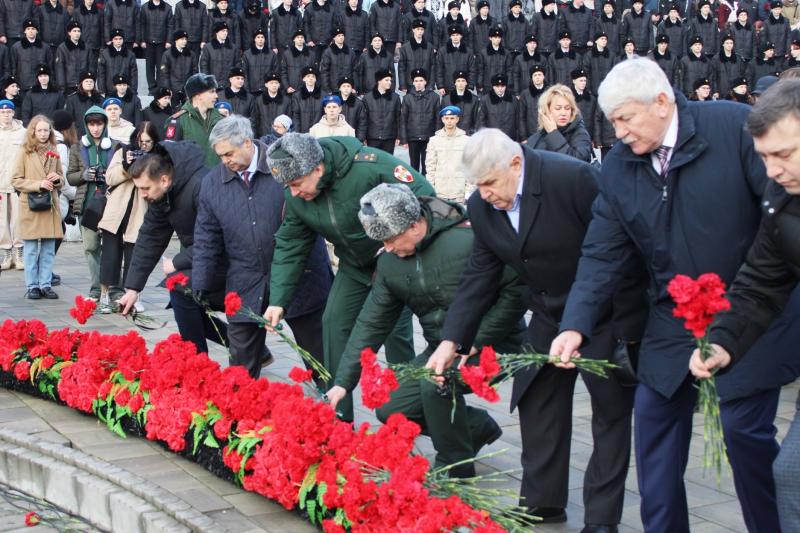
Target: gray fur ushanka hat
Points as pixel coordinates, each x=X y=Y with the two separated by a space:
x=293 y=156
x=388 y=210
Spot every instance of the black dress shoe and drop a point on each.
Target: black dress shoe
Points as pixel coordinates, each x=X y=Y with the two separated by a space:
x=49 y=293
x=599 y=528
x=548 y=515
x=55 y=280
x=33 y=294
x=491 y=432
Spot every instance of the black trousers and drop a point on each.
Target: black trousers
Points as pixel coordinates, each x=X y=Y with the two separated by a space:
x=387 y=145
x=114 y=250
x=152 y=61
x=545 y=413
x=194 y=323
x=247 y=341
x=417 y=151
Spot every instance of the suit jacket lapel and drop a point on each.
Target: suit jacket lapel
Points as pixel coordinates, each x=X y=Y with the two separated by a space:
x=531 y=195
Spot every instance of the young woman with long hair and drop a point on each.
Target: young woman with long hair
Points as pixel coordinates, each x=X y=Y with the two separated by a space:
x=38 y=170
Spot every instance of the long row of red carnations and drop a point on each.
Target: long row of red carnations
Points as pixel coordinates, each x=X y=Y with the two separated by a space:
x=271 y=437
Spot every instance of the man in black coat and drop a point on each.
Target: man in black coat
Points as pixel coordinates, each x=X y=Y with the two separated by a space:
x=258 y=61
x=285 y=21
x=152 y=33
x=454 y=57
x=521 y=68
x=222 y=13
x=294 y=59
x=563 y=61
x=242 y=102
x=480 y=25
x=377 y=58
x=160 y=108
x=318 y=26
x=500 y=109
x=417 y=53
x=190 y=17
x=90 y=17
x=240 y=209
x=220 y=54
x=272 y=102
x=383 y=113
x=353 y=108
x=766 y=282
x=515 y=28
x=386 y=18
x=27 y=53
x=654 y=204
x=114 y=60
x=545 y=26
x=307 y=101
x=529 y=101
x=252 y=19
x=355 y=23
x=72 y=58
x=452 y=17
x=416 y=14
x=637 y=27
x=338 y=61
x=53 y=18
x=577 y=19
x=169 y=178
x=531 y=214
x=492 y=58
x=13 y=13
x=121 y=15
x=419 y=115
x=177 y=65
x=666 y=59
x=44 y=98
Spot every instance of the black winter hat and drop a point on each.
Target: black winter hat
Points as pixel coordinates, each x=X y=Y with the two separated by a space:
x=482 y=4
x=460 y=74
x=161 y=92
x=259 y=31
x=199 y=83
x=418 y=23
x=87 y=75
x=30 y=23
x=7 y=82
x=695 y=40
x=117 y=33
x=662 y=38
x=71 y=25
x=579 y=73
x=345 y=79
x=120 y=78
x=236 y=71
x=308 y=70
x=179 y=34
x=496 y=32
x=62 y=120
x=219 y=26
x=499 y=79
x=383 y=73
x=272 y=76
x=564 y=35
x=419 y=73
x=454 y=28
x=43 y=69
x=699 y=82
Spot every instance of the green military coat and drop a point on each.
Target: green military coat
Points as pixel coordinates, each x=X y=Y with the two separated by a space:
x=426 y=282
x=351 y=170
x=188 y=125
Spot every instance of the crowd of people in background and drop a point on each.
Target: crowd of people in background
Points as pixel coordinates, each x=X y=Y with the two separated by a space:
x=267 y=146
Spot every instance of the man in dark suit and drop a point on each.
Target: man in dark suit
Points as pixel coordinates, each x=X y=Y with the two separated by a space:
x=531 y=213
x=682 y=190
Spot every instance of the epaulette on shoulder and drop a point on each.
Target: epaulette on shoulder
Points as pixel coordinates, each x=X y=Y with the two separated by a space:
x=364 y=155
x=179 y=114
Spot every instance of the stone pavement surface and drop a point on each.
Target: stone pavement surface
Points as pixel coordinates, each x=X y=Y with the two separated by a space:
x=711 y=509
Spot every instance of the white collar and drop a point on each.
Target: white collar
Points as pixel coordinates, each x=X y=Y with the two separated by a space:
x=671 y=138
x=253 y=164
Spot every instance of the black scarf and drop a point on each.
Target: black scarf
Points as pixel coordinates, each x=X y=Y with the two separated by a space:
x=497 y=99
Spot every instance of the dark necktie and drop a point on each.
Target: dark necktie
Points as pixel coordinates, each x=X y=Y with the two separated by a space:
x=246 y=178
x=662 y=153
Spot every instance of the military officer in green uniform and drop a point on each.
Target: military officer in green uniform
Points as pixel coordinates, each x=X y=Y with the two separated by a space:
x=427 y=243
x=197 y=116
x=324 y=180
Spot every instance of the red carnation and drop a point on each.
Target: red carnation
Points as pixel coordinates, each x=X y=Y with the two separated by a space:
x=376 y=384
x=31 y=519
x=697 y=301
x=222 y=428
x=47 y=362
x=232 y=303
x=122 y=397
x=84 y=308
x=330 y=526
x=136 y=403
x=299 y=375
x=22 y=370
x=175 y=280
x=479 y=378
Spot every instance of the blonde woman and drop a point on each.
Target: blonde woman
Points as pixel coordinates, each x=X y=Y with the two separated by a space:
x=561 y=127
x=38 y=169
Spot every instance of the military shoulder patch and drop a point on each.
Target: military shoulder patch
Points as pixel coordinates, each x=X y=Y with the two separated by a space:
x=401 y=173
x=179 y=114
x=366 y=156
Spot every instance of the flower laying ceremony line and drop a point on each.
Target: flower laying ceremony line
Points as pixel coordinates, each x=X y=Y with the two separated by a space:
x=697 y=301
x=483 y=378
x=267 y=436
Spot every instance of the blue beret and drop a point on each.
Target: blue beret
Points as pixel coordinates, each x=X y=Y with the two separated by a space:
x=450 y=110
x=6 y=104
x=223 y=105
x=331 y=99
x=111 y=101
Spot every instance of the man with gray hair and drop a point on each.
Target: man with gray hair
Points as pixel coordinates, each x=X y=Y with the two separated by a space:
x=323 y=181
x=424 y=237
x=683 y=191
x=764 y=284
x=530 y=214
x=239 y=212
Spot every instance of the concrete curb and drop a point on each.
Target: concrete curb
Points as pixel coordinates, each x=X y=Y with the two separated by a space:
x=104 y=494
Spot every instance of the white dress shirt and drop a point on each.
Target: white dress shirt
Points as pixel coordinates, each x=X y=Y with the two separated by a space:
x=670 y=140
